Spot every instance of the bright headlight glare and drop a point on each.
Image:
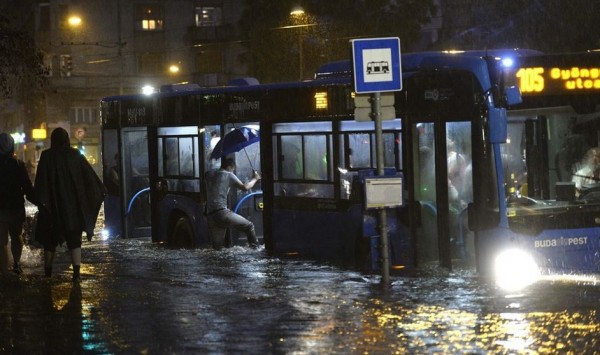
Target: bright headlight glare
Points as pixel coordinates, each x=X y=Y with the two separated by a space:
x=507 y=62
x=105 y=234
x=514 y=269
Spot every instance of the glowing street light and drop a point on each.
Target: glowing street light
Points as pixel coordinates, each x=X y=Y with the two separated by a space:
x=297 y=11
x=74 y=21
x=174 y=69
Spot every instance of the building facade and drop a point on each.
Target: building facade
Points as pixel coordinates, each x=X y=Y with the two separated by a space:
x=98 y=48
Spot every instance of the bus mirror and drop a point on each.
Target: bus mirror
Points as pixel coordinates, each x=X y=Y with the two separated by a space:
x=498 y=125
x=513 y=95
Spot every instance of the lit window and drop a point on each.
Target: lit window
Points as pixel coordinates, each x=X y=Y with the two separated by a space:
x=66 y=65
x=208 y=16
x=149 y=18
x=83 y=115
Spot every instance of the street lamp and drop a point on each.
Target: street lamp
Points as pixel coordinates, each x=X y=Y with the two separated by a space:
x=74 y=21
x=298 y=12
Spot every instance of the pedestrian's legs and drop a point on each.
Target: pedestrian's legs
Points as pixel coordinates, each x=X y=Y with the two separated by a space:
x=217 y=233
x=3 y=248
x=48 y=260
x=74 y=245
x=240 y=223
x=16 y=244
x=76 y=261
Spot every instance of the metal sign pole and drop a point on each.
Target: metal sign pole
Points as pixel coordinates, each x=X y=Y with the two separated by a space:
x=377 y=67
x=385 y=261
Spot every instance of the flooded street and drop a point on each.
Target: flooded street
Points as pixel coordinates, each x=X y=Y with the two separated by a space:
x=136 y=297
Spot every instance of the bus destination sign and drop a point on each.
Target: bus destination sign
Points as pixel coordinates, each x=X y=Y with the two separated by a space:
x=538 y=80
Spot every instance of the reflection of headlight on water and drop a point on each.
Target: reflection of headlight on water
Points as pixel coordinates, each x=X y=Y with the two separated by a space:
x=104 y=234
x=514 y=269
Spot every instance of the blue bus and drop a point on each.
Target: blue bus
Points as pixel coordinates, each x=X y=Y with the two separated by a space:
x=549 y=164
x=480 y=172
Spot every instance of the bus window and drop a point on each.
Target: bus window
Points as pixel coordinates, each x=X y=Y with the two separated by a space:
x=178 y=159
x=186 y=157
x=111 y=179
x=291 y=156
x=360 y=151
x=304 y=157
x=172 y=156
x=390 y=158
x=513 y=160
x=460 y=180
x=136 y=177
x=548 y=150
x=212 y=135
x=247 y=159
x=303 y=160
x=315 y=157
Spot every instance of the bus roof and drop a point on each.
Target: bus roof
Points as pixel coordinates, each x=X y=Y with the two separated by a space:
x=333 y=73
x=411 y=61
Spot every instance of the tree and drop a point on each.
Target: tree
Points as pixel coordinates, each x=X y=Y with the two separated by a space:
x=22 y=73
x=277 y=41
x=547 y=25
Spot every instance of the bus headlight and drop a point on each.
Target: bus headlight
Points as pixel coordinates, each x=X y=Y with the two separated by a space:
x=514 y=269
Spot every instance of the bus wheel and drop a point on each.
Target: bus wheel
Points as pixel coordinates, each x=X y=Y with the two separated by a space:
x=182 y=235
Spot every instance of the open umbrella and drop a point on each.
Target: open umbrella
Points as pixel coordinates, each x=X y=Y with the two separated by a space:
x=236 y=140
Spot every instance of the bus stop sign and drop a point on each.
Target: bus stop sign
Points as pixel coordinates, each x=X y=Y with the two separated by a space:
x=376 y=64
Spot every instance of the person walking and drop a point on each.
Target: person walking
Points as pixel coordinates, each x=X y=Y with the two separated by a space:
x=70 y=195
x=220 y=217
x=14 y=183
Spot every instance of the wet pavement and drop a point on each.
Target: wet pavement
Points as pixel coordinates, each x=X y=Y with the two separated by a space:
x=139 y=298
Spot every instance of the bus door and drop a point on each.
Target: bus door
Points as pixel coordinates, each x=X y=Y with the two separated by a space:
x=247 y=158
x=443 y=188
x=113 y=204
x=136 y=183
x=177 y=204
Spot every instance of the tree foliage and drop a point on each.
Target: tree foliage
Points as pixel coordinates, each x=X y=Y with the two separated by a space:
x=277 y=41
x=547 y=25
x=21 y=64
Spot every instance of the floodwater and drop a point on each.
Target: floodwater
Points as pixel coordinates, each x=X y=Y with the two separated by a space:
x=139 y=298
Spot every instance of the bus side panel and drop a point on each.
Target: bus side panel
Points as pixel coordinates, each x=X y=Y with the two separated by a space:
x=555 y=251
x=400 y=250
x=566 y=250
x=348 y=238
x=176 y=205
x=332 y=236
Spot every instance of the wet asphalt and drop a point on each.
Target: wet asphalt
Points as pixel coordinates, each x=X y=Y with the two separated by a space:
x=136 y=297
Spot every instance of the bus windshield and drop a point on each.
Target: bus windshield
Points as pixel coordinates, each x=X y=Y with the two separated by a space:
x=551 y=161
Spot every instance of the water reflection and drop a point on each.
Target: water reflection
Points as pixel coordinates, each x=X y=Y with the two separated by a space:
x=136 y=297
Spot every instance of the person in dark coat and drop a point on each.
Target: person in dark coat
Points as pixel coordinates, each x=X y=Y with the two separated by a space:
x=70 y=195
x=14 y=183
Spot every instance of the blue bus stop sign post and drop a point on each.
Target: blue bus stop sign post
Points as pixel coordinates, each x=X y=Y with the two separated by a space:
x=377 y=68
